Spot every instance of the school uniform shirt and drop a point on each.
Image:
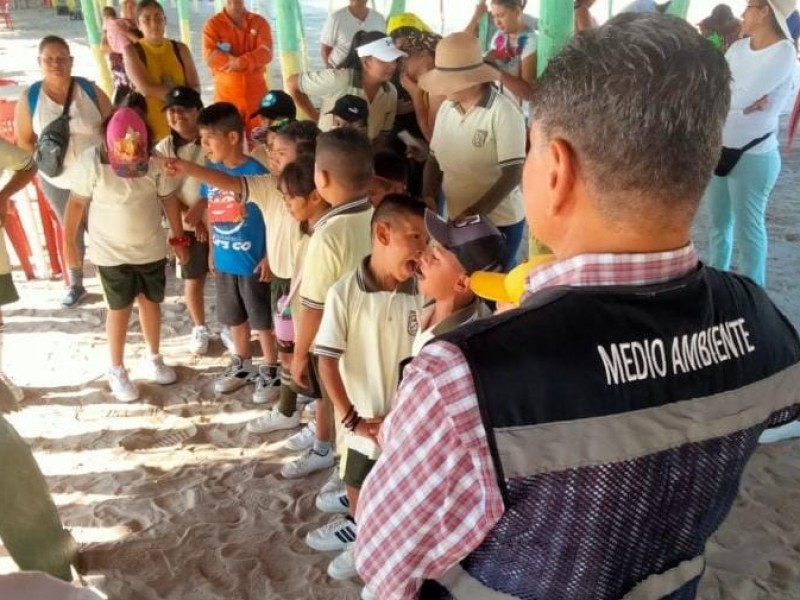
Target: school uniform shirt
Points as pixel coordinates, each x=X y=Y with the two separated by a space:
x=475 y=310
x=240 y=244
x=472 y=148
x=341 y=240
x=189 y=190
x=284 y=234
x=332 y=84
x=124 y=214
x=342 y=26
x=361 y=320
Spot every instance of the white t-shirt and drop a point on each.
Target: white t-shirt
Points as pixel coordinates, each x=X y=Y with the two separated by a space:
x=84 y=127
x=189 y=190
x=340 y=28
x=371 y=332
x=472 y=149
x=124 y=214
x=508 y=55
x=283 y=234
x=757 y=73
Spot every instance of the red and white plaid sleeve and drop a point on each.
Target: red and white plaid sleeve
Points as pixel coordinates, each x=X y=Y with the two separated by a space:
x=432 y=497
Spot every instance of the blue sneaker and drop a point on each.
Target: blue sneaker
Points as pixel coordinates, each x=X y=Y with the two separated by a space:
x=75 y=294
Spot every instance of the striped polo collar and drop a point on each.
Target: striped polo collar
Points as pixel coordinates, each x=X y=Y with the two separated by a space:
x=349 y=208
x=366 y=281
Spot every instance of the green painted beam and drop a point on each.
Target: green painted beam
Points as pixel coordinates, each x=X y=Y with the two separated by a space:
x=679 y=8
x=556 y=26
x=88 y=8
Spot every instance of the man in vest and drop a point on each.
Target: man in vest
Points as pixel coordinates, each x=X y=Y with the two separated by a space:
x=237 y=46
x=588 y=444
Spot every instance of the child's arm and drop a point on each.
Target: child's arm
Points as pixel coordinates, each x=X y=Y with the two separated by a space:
x=177 y=167
x=172 y=210
x=344 y=409
x=310 y=319
x=74 y=215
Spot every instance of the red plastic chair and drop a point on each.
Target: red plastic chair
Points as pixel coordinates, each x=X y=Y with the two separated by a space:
x=5 y=13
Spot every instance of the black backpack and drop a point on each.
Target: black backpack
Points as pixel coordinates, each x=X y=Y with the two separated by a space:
x=51 y=147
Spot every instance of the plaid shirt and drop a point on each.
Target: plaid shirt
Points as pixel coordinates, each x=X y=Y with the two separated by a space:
x=433 y=497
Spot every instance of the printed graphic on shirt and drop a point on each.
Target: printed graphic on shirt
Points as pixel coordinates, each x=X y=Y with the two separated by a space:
x=504 y=51
x=224 y=207
x=656 y=359
x=413 y=323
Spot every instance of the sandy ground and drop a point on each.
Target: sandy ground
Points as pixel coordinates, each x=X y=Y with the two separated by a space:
x=171 y=497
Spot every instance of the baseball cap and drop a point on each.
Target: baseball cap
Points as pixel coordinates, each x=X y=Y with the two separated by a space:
x=382 y=49
x=507 y=288
x=783 y=10
x=276 y=104
x=183 y=96
x=476 y=242
x=351 y=108
x=126 y=139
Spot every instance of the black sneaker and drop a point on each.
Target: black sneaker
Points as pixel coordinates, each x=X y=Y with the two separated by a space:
x=75 y=294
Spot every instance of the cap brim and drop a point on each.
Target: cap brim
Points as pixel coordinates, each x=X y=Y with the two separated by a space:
x=437 y=228
x=783 y=20
x=174 y=104
x=442 y=83
x=389 y=54
x=507 y=288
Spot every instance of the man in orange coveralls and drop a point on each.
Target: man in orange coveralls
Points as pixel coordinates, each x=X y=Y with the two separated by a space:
x=237 y=47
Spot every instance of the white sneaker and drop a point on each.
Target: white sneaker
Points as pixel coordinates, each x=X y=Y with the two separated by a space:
x=123 y=388
x=273 y=420
x=308 y=463
x=227 y=340
x=267 y=387
x=343 y=567
x=305 y=400
x=238 y=374
x=198 y=344
x=157 y=372
x=333 y=502
x=336 y=535
x=302 y=440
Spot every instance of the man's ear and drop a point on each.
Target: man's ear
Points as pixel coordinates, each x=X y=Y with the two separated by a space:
x=561 y=166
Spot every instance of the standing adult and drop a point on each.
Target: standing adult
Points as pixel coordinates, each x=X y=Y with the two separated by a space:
x=342 y=26
x=366 y=72
x=762 y=65
x=42 y=103
x=157 y=64
x=526 y=455
x=513 y=50
x=118 y=34
x=237 y=47
x=478 y=144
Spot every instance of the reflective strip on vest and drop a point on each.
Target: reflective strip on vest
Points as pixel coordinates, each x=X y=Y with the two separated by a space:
x=463 y=586
x=663 y=584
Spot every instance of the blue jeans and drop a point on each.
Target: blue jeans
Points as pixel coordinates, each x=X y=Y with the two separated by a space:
x=737 y=205
x=513 y=234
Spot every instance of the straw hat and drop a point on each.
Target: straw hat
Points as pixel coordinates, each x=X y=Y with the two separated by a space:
x=782 y=10
x=459 y=65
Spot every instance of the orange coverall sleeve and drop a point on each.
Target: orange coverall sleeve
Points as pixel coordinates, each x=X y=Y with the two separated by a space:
x=215 y=58
x=257 y=59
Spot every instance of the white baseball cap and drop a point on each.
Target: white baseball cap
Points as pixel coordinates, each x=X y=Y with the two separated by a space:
x=782 y=10
x=382 y=49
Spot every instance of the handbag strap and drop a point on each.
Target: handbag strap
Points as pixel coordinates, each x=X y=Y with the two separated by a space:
x=755 y=142
x=68 y=101
x=293 y=289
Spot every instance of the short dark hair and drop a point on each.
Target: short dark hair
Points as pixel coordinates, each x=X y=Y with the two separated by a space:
x=642 y=101
x=397 y=206
x=390 y=165
x=298 y=177
x=511 y=3
x=221 y=116
x=144 y=4
x=53 y=39
x=347 y=155
x=302 y=133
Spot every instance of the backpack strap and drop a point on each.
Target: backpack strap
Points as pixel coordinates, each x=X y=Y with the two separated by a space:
x=177 y=50
x=140 y=52
x=33 y=96
x=88 y=89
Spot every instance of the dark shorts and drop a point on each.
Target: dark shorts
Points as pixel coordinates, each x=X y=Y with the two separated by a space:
x=197 y=267
x=122 y=283
x=8 y=291
x=356 y=468
x=243 y=298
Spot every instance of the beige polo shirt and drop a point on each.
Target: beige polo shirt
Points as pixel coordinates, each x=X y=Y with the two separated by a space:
x=332 y=84
x=341 y=240
x=283 y=234
x=14 y=158
x=189 y=190
x=370 y=332
x=473 y=147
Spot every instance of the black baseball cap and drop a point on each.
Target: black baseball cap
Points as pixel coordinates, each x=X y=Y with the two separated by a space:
x=476 y=242
x=183 y=96
x=351 y=109
x=276 y=104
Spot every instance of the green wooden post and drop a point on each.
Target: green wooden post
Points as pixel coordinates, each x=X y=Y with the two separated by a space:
x=183 y=20
x=291 y=37
x=610 y=8
x=679 y=8
x=483 y=32
x=556 y=26
x=398 y=7
x=93 y=35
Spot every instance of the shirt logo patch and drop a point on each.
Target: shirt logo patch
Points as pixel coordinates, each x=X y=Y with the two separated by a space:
x=413 y=323
x=479 y=139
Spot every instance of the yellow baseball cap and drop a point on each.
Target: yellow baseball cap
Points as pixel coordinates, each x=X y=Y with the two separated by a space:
x=506 y=288
x=405 y=20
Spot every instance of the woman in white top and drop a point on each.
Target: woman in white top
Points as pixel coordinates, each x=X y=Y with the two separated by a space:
x=88 y=108
x=762 y=66
x=513 y=50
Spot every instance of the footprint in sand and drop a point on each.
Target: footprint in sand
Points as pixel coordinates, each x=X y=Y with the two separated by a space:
x=173 y=432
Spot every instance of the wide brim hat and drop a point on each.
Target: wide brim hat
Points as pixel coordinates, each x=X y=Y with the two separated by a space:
x=782 y=10
x=459 y=65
